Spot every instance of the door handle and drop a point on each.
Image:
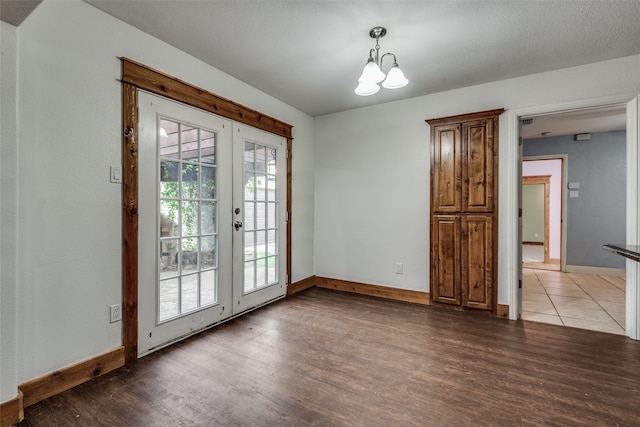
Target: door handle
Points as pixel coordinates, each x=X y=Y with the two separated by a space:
x=238 y=225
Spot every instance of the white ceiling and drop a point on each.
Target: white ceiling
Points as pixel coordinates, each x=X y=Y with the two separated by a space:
x=573 y=122
x=309 y=54
x=15 y=11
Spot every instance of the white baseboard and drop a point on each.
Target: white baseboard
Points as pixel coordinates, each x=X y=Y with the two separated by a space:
x=600 y=271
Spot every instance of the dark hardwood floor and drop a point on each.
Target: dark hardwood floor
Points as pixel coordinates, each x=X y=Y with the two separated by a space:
x=324 y=358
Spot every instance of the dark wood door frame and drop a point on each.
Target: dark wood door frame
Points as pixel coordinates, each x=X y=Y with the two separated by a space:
x=137 y=76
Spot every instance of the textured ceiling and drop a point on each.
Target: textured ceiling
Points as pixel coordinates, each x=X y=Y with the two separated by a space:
x=309 y=54
x=15 y=11
x=573 y=122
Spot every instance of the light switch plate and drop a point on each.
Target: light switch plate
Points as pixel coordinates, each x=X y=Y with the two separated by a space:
x=116 y=174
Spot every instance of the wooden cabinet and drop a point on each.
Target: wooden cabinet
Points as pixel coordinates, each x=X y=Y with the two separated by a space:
x=464 y=210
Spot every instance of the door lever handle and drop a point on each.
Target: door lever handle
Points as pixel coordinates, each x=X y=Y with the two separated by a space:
x=238 y=225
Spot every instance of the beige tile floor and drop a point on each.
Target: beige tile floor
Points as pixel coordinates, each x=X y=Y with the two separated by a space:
x=578 y=300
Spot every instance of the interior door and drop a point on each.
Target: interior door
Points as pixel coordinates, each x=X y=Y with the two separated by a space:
x=259 y=215
x=185 y=199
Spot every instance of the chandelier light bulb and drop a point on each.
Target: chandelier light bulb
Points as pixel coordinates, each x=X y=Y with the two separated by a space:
x=366 y=89
x=371 y=73
x=395 y=79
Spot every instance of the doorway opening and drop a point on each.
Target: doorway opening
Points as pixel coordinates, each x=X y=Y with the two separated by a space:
x=136 y=77
x=542 y=225
x=584 y=287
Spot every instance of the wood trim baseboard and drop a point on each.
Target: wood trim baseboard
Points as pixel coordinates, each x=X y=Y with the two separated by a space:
x=374 y=290
x=600 y=271
x=502 y=310
x=12 y=411
x=301 y=285
x=56 y=382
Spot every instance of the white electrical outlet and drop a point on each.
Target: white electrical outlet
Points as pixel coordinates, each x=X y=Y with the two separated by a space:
x=398 y=268
x=116 y=313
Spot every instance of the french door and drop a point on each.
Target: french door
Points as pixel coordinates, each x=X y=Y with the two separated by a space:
x=212 y=232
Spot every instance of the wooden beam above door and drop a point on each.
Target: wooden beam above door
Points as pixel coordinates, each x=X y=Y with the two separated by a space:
x=171 y=87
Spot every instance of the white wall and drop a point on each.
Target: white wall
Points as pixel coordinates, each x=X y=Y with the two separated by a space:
x=372 y=171
x=70 y=223
x=8 y=194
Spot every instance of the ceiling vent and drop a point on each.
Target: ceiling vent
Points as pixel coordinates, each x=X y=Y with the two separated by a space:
x=582 y=137
x=526 y=121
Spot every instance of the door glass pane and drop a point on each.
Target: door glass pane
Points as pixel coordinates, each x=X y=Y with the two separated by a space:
x=249 y=245
x=207 y=147
x=249 y=276
x=249 y=156
x=261 y=213
x=190 y=181
x=187 y=225
x=207 y=252
x=169 y=179
x=271 y=216
x=189 y=255
x=261 y=186
x=249 y=215
x=249 y=185
x=168 y=258
x=189 y=216
x=189 y=143
x=168 y=298
x=208 y=175
x=271 y=242
x=261 y=158
x=260 y=209
x=208 y=287
x=169 y=218
x=169 y=139
x=261 y=272
x=190 y=294
x=208 y=217
x=272 y=270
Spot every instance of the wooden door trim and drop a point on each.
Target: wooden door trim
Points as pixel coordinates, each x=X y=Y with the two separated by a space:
x=466 y=117
x=137 y=76
x=546 y=180
x=162 y=84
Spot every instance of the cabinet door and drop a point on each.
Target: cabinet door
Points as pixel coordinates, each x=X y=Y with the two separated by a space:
x=478 y=151
x=477 y=261
x=445 y=259
x=446 y=171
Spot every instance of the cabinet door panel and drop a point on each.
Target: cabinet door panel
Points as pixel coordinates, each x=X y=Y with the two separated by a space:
x=445 y=259
x=446 y=172
x=477 y=261
x=478 y=169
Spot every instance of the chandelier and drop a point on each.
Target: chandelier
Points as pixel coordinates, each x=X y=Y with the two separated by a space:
x=372 y=73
